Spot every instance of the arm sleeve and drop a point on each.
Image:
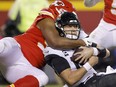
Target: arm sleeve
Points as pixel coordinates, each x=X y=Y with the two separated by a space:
x=58 y=63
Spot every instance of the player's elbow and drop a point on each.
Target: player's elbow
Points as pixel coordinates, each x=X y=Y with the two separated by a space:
x=54 y=44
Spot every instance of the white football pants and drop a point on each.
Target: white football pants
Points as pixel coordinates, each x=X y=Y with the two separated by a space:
x=104 y=34
x=14 y=65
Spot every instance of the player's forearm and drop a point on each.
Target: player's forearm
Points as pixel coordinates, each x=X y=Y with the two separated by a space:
x=64 y=43
x=74 y=76
x=90 y=3
x=101 y=52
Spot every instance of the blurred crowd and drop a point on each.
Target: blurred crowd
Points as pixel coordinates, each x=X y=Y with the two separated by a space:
x=21 y=15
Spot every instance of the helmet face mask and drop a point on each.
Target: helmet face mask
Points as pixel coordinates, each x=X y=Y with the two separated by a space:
x=68 y=25
x=72 y=34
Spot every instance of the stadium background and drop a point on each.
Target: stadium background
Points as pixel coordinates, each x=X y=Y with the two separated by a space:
x=89 y=18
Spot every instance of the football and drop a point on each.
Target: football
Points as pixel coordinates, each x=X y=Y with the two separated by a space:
x=76 y=56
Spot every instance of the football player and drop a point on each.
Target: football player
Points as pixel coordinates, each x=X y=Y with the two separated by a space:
x=21 y=57
x=71 y=72
x=105 y=32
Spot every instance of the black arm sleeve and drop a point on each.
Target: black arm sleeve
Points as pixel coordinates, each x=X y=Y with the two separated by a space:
x=102 y=52
x=58 y=63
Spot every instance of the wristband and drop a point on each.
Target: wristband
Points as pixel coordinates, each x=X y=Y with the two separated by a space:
x=87 y=66
x=95 y=51
x=102 y=52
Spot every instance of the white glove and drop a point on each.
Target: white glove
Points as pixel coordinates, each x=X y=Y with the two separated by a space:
x=88 y=42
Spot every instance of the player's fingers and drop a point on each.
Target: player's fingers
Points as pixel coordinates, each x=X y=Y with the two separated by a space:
x=85 y=60
x=82 y=60
x=78 y=58
x=77 y=53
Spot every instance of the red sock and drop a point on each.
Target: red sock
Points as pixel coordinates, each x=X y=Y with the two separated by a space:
x=27 y=81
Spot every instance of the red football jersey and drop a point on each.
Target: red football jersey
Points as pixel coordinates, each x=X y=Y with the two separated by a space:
x=30 y=39
x=110 y=11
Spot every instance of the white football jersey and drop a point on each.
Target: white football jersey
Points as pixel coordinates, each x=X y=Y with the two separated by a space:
x=67 y=54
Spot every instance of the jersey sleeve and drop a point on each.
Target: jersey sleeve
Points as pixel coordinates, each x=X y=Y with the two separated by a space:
x=58 y=63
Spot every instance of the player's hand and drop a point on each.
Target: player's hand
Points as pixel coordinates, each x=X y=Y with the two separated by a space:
x=85 y=54
x=93 y=60
x=88 y=42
